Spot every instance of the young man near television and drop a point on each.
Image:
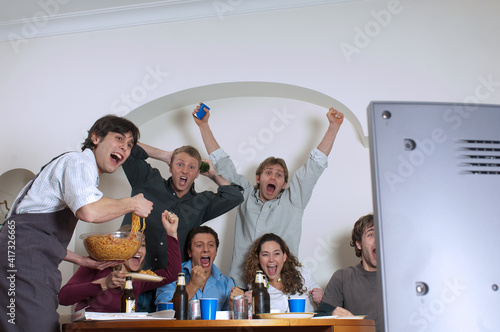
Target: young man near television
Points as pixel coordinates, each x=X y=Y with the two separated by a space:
x=352 y=290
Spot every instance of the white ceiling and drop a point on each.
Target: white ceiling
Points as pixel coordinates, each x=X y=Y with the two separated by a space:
x=23 y=19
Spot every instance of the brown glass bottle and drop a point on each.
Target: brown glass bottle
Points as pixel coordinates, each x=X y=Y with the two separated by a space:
x=180 y=299
x=261 y=303
x=128 y=297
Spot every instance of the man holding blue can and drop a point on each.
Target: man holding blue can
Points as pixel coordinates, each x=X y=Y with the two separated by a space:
x=203 y=278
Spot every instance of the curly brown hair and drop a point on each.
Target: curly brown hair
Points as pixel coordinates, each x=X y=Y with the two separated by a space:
x=292 y=280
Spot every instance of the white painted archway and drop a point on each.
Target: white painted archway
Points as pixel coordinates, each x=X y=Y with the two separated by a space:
x=210 y=92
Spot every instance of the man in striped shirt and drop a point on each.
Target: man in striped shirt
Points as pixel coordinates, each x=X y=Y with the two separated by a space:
x=41 y=222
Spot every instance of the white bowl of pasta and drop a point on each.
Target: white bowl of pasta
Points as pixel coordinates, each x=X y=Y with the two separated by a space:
x=112 y=246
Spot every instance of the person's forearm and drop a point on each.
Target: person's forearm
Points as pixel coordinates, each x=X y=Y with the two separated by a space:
x=73 y=257
x=219 y=180
x=208 y=138
x=326 y=143
x=105 y=209
x=156 y=153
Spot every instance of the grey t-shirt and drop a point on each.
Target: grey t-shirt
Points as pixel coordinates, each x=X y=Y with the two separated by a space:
x=354 y=289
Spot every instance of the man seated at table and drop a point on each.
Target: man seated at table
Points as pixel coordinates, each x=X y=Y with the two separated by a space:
x=203 y=278
x=353 y=290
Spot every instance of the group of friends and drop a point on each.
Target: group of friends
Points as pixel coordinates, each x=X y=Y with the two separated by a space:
x=267 y=230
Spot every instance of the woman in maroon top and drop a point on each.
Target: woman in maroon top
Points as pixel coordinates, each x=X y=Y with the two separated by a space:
x=101 y=290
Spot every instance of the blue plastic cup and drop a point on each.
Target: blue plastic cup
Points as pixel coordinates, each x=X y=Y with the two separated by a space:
x=164 y=306
x=208 y=308
x=297 y=305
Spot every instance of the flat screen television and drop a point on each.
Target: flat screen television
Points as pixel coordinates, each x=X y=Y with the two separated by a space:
x=436 y=192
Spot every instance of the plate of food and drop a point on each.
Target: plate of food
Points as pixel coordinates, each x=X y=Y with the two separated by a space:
x=147 y=275
x=287 y=315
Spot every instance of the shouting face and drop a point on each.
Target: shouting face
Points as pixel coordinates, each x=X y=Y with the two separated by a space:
x=185 y=169
x=271 y=182
x=203 y=250
x=112 y=150
x=135 y=263
x=271 y=259
x=368 y=249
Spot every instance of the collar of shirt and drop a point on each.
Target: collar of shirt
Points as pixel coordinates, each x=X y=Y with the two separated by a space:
x=256 y=195
x=88 y=153
x=363 y=271
x=170 y=188
x=187 y=266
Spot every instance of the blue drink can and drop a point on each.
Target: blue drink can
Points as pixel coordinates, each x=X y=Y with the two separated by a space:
x=164 y=306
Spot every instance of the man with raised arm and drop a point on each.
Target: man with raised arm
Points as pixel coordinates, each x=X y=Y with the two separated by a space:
x=178 y=195
x=276 y=203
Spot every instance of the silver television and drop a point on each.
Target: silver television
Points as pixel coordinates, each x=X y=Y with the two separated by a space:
x=436 y=192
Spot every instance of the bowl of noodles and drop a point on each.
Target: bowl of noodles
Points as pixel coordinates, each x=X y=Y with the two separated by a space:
x=112 y=246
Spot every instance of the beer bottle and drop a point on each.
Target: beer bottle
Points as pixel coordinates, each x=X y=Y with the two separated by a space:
x=180 y=299
x=205 y=167
x=128 y=297
x=260 y=297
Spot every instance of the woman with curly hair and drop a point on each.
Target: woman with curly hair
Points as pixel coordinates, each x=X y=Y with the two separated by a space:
x=285 y=274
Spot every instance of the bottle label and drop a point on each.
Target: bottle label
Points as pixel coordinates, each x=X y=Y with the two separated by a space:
x=130 y=306
x=259 y=279
x=181 y=281
x=128 y=284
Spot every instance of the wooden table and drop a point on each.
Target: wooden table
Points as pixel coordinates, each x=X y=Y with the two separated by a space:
x=252 y=325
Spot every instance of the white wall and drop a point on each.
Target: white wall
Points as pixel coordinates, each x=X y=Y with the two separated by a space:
x=53 y=89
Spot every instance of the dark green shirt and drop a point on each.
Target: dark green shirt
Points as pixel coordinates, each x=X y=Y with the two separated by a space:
x=193 y=209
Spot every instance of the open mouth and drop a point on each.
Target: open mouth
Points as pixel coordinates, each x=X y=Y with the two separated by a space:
x=205 y=261
x=272 y=269
x=136 y=259
x=270 y=189
x=183 y=181
x=117 y=158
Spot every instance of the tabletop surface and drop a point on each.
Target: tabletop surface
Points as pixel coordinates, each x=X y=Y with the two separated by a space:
x=159 y=323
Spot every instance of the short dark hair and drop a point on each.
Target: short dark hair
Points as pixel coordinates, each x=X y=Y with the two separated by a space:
x=110 y=123
x=198 y=230
x=359 y=228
